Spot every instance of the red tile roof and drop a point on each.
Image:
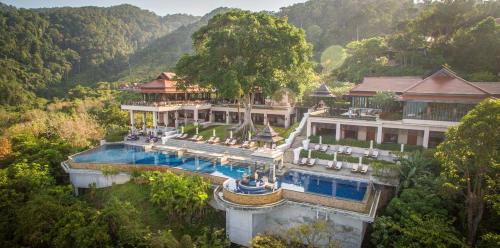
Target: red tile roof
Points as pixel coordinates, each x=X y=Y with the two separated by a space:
x=372 y=85
x=164 y=83
x=442 y=85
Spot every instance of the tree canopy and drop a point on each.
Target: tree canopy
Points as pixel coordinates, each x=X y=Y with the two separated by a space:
x=240 y=53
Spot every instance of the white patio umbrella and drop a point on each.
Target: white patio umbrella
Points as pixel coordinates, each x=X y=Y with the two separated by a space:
x=196 y=130
x=182 y=129
x=309 y=154
x=231 y=134
x=213 y=132
x=402 y=147
x=335 y=156
x=320 y=140
x=371 y=144
x=249 y=135
x=360 y=160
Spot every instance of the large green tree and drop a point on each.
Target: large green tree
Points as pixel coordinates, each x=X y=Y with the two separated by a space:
x=240 y=53
x=471 y=160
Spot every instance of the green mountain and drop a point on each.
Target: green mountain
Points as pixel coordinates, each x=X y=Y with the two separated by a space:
x=43 y=49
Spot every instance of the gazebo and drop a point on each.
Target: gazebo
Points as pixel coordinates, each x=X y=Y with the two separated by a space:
x=267 y=135
x=322 y=94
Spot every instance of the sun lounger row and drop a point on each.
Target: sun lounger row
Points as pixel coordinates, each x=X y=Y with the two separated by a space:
x=334 y=165
x=341 y=149
x=307 y=162
x=213 y=140
x=373 y=154
x=356 y=168
x=248 y=144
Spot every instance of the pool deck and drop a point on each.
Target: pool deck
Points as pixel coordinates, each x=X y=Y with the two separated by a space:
x=345 y=172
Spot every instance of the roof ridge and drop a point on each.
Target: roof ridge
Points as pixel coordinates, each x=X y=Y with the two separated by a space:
x=449 y=72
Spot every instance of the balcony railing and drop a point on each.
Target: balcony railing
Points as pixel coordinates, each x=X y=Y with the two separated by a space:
x=166 y=103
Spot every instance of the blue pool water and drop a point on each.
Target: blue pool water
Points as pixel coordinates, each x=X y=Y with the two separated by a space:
x=127 y=154
x=327 y=186
x=293 y=180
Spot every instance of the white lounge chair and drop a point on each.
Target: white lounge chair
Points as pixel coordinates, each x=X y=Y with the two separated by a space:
x=355 y=168
x=210 y=140
x=303 y=161
x=194 y=137
x=324 y=148
x=226 y=142
x=216 y=140
x=341 y=149
x=233 y=142
x=348 y=150
x=200 y=138
x=245 y=144
x=252 y=144
x=183 y=136
x=364 y=168
x=338 y=166
x=311 y=162
x=316 y=147
x=330 y=165
x=375 y=154
x=366 y=153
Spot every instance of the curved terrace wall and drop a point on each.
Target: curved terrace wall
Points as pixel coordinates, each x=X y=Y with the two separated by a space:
x=253 y=199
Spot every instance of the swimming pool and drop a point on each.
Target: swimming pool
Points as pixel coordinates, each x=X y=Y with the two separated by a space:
x=323 y=185
x=292 y=180
x=129 y=154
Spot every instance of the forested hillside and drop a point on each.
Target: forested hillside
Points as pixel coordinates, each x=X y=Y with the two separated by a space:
x=42 y=48
x=328 y=22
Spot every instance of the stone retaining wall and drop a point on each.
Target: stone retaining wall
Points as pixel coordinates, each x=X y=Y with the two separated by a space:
x=253 y=200
x=129 y=167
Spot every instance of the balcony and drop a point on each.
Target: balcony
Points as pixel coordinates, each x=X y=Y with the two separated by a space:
x=364 y=114
x=166 y=103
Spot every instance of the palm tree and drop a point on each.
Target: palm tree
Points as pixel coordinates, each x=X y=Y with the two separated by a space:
x=411 y=169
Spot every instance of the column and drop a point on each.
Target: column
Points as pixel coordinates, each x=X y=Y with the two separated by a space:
x=155 y=121
x=337 y=132
x=195 y=114
x=144 y=122
x=227 y=117
x=265 y=118
x=379 y=134
x=308 y=130
x=165 y=118
x=132 y=120
x=425 y=142
x=287 y=120
x=210 y=116
x=176 y=119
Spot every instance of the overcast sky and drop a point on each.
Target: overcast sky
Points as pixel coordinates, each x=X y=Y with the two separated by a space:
x=162 y=7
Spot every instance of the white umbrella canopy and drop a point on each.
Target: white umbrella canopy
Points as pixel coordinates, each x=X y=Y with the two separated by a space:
x=360 y=160
x=371 y=144
x=309 y=154
x=213 y=132
x=182 y=129
x=196 y=130
x=402 y=147
x=320 y=140
x=231 y=134
x=335 y=156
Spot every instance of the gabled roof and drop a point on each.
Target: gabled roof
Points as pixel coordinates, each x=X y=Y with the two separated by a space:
x=443 y=85
x=164 y=83
x=371 y=85
x=322 y=91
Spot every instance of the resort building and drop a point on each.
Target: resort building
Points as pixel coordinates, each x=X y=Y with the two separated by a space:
x=171 y=107
x=424 y=109
x=309 y=175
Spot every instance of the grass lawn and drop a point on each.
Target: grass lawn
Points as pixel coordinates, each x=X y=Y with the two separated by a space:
x=152 y=215
x=222 y=131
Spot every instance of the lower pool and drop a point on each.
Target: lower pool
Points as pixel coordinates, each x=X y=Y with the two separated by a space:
x=323 y=185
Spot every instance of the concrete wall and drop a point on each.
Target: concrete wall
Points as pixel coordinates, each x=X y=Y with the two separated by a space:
x=242 y=225
x=84 y=178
